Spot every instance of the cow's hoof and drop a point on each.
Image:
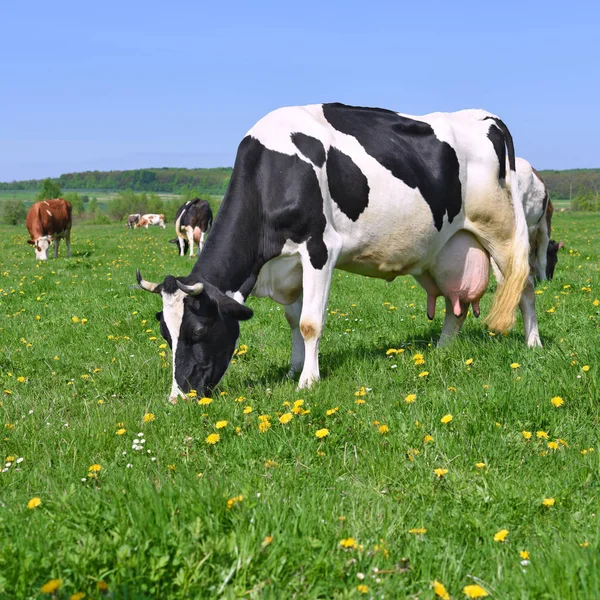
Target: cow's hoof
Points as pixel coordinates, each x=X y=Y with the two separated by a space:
x=173 y=400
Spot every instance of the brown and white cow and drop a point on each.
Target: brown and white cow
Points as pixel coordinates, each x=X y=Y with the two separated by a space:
x=47 y=221
x=133 y=219
x=151 y=219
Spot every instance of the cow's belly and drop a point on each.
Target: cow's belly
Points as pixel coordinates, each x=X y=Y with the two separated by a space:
x=280 y=279
x=392 y=244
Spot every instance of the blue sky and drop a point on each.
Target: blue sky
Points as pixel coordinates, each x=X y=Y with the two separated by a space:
x=118 y=85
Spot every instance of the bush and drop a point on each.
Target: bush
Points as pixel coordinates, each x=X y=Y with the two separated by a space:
x=586 y=201
x=13 y=212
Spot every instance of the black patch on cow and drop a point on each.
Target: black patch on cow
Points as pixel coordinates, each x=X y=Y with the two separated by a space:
x=348 y=185
x=497 y=139
x=311 y=147
x=409 y=149
x=272 y=197
x=508 y=141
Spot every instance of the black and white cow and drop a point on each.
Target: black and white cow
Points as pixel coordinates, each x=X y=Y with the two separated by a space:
x=192 y=222
x=366 y=190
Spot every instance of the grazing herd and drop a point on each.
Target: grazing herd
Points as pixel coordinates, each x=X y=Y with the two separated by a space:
x=440 y=197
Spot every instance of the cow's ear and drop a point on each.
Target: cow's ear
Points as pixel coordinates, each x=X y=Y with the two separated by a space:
x=228 y=307
x=31 y=242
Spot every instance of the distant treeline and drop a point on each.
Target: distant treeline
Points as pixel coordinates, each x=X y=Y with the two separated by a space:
x=572 y=183
x=178 y=181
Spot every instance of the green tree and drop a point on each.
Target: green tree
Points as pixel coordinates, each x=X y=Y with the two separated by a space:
x=49 y=190
x=76 y=202
x=13 y=212
x=92 y=207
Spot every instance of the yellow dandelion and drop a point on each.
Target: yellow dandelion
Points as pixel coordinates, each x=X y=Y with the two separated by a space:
x=321 y=433
x=420 y=361
x=268 y=540
x=557 y=401
x=500 y=536
x=148 y=417
x=286 y=418
x=428 y=438
x=21 y=379
x=390 y=351
x=349 y=543
x=440 y=472
x=233 y=501
x=439 y=590
x=418 y=530
x=191 y=393
x=360 y=401
x=474 y=591
x=553 y=445
x=585 y=368
x=469 y=361
x=424 y=374
x=362 y=588
x=514 y=365
x=77 y=596
x=446 y=419
x=34 y=503
x=526 y=434
x=95 y=468
x=383 y=429
x=221 y=424
x=121 y=431
x=51 y=586
x=548 y=502
x=75 y=319
x=204 y=401
x=264 y=426
x=480 y=465
x=541 y=434
x=410 y=398
x=524 y=554
x=247 y=410
x=332 y=411
x=212 y=438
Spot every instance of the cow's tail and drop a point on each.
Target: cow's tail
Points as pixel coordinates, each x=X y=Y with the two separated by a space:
x=515 y=270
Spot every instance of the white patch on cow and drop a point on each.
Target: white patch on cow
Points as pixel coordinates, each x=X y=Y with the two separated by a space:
x=173 y=316
x=237 y=296
x=48 y=212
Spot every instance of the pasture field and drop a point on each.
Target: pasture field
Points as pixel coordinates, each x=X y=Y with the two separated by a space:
x=130 y=500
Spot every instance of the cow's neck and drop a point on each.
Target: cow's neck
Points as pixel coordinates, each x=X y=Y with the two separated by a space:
x=234 y=252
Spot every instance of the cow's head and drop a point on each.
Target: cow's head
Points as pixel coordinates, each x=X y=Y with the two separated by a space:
x=201 y=325
x=41 y=246
x=552 y=257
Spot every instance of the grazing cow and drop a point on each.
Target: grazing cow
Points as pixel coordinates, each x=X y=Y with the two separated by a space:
x=47 y=221
x=460 y=272
x=133 y=219
x=192 y=222
x=366 y=190
x=151 y=219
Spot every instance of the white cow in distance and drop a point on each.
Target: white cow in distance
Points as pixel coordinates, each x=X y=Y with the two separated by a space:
x=151 y=219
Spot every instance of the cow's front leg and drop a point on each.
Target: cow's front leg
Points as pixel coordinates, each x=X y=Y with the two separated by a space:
x=452 y=323
x=527 y=306
x=315 y=293
x=56 y=242
x=292 y=315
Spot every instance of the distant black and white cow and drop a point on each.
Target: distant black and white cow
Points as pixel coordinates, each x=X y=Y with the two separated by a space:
x=192 y=222
x=366 y=190
x=133 y=219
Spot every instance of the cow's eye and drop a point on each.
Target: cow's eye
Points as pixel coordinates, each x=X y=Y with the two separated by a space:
x=198 y=331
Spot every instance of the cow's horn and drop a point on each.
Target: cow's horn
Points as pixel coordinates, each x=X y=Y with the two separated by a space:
x=145 y=285
x=192 y=290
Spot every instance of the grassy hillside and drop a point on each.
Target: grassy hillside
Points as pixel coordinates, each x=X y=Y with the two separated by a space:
x=109 y=490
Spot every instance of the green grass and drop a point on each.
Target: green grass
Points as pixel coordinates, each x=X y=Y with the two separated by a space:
x=156 y=529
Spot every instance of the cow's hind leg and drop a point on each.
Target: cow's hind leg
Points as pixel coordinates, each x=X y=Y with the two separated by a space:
x=315 y=291
x=190 y=236
x=292 y=314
